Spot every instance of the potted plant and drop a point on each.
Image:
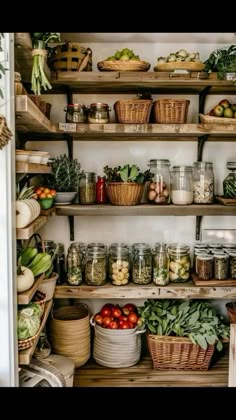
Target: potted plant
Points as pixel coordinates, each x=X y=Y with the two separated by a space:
x=182 y=335
x=125 y=184
x=64 y=178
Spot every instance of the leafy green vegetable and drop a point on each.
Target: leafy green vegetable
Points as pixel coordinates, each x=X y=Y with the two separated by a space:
x=127 y=173
x=27 y=323
x=222 y=61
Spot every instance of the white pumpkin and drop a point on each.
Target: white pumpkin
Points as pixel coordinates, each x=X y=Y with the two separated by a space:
x=25 y=279
x=26 y=211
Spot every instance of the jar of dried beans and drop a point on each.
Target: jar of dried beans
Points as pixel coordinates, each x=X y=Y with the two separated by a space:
x=203 y=183
x=142 y=265
x=95 y=267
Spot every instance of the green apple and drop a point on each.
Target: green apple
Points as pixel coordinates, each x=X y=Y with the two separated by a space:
x=225 y=103
x=218 y=111
x=228 y=113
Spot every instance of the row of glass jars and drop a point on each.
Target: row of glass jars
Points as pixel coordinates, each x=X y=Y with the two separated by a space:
x=184 y=185
x=96 y=113
x=139 y=264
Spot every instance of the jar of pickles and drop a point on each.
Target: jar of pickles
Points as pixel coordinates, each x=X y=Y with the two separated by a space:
x=119 y=266
x=159 y=186
x=161 y=265
x=74 y=267
x=179 y=263
x=229 y=183
x=142 y=265
x=95 y=267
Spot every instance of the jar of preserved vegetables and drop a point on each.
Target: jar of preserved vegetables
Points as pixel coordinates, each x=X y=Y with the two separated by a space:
x=87 y=188
x=203 y=183
x=232 y=265
x=95 y=267
x=74 y=267
x=229 y=183
x=179 y=263
x=76 y=113
x=119 y=266
x=159 y=186
x=142 y=265
x=98 y=113
x=160 y=265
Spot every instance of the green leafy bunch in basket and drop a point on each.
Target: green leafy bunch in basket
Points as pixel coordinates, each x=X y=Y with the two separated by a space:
x=222 y=61
x=126 y=173
x=196 y=320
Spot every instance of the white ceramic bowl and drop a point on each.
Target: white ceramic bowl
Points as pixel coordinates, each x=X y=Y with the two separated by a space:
x=22 y=155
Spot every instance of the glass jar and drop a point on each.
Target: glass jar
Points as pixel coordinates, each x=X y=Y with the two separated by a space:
x=59 y=263
x=182 y=185
x=229 y=183
x=96 y=245
x=204 y=266
x=179 y=263
x=119 y=266
x=87 y=188
x=159 y=186
x=203 y=183
x=196 y=252
x=161 y=263
x=101 y=197
x=221 y=266
x=142 y=265
x=43 y=349
x=98 y=113
x=74 y=267
x=47 y=246
x=76 y=113
x=232 y=265
x=95 y=267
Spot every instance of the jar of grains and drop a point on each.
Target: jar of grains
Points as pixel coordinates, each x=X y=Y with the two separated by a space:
x=159 y=186
x=142 y=265
x=161 y=265
x=221 y=266
x=87 y=188
x=179 y=263
x=232 y=265
x=203 y=183
x=182 y=185
x=119 y=266
x=95 y=267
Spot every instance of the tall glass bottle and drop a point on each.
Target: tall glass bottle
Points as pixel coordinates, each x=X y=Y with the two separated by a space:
x=161 y=265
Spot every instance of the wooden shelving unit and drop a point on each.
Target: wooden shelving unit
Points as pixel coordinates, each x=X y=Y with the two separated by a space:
x=28 y=231
x=150 y=291
x=25 y=355
x=24 y=298
x=32 y=168
x=29 y=118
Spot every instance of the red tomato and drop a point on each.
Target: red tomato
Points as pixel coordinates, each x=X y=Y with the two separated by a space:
x=116 y=312
x=124 y=326
x=38 y=191
x=42 y=195
x=98 y=319
x=53 y=192
x=131 y=307
x=133 y=317
x=113 y=325
x=105 y=312
x=106 y=321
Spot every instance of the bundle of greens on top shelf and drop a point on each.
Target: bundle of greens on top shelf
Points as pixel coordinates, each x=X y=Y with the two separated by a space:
x=222 y=61
x=40 y=42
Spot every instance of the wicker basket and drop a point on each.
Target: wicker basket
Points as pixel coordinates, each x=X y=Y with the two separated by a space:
x=47 y=286
x=40 y=298
x=124 y=193
x=178 y=353
x=126 y=65
x=208 y=119
x=25 y=344
x=231 y=309
x=135 y=111
x=171 y=111
x=179 y=65
x=70 y=57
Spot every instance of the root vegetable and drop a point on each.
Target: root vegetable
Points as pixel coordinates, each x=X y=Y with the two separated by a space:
x=152 y=195
x=166 y=192
x=152 y=186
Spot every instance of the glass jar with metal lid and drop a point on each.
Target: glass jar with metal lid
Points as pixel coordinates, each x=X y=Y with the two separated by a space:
x=203 y=183
x=182 y=185
x=76 y=113
x=119 y=266
x=95 y=267
x=161 y=264
x=221 y=266
x=98 y=113
x=204 y=266
x=179 y=262
x=142 y=265
x=229 y=183
x=232 y=265
x=159 y=186
x=87 y=188
x=74 y=266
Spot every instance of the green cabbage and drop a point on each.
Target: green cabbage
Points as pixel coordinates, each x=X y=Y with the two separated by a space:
x=27 y=323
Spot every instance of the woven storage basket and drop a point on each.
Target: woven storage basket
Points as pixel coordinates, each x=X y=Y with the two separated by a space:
x=124 y=193
x=25 y=344
x=69 y=333
x=208 y=119
x=178 y=353
x=47 y=286
x=70 y=57
x=135 y=111
x=171 y=111
x=231 y=309
x=40 y=298
x=126 y=65
x=116 y=348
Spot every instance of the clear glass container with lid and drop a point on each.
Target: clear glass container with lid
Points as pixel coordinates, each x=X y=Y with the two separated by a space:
x=87 y=188
x=76 y=113
x=43 y=349
x=98 y=113
x=95 y=267
x=74 y=266
x=232 y=265
x=203 y=183
x=179 y=262
x=159 y=186
x=182 y=185
x=119 y=266
x=204 y=266
x=161 y=263
x=229 y=183
x=221 y=266
x=142 y=265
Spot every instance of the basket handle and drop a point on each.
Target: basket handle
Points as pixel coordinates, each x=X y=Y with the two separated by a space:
x=92 y=321
x=82 y=304
x=84 y=62
x=140 y=331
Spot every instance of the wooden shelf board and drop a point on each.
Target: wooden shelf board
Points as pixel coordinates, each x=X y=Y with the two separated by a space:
x=28 y=231
x=32 y=168
x=150 y=291
x=29 y=118
x=145 y=210
x=25 y=355
x=143 y=375
x=48 y=212
x=213 y=282
x=24 y=298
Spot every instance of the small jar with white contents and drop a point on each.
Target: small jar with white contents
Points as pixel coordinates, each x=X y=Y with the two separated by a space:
x=98 y=113
x=182 y=185
x=119 y=266
x=203 y=183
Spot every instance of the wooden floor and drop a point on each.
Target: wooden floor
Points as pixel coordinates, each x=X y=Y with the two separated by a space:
x=143 y=375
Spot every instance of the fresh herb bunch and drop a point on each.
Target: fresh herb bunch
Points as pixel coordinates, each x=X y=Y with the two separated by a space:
x=194 y=319
x=45 y=36
x=127 y=173
x=222 y=61
x=65 y=174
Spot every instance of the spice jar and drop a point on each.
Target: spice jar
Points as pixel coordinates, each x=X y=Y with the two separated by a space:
x=182 y=185
x=229 y=183
x=159 y=186
x=179 y=263
x=101 y=197
x=43 y=348
x=232 y=265
x=161 y=265
x=74 y=267
x=142 y=265
x=119 y=266
x=98 y=113
x=76 y=113
x=203 y=183
x=95 y=267
x=196 y=252
x=87 y=188
x=204 y=266
x=221 y=266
